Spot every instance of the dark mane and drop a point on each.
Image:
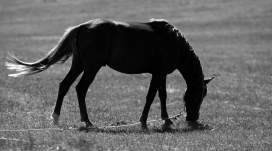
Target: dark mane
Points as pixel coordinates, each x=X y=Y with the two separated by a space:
x=193 y=70
x=164 y=28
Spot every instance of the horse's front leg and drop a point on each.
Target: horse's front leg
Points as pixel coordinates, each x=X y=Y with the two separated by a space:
x=155 y=83
x=163 y=97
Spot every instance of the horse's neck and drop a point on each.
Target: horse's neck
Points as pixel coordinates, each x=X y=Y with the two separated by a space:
x=192 y=71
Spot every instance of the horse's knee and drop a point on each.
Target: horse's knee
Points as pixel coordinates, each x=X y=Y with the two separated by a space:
x=162 y=96
x=63 y=88
x=162 y=93
x=79 y=89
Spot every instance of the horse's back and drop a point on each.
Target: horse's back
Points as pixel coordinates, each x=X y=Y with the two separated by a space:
x=135 y=48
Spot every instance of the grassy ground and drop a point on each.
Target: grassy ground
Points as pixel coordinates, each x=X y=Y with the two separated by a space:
x=232 y=38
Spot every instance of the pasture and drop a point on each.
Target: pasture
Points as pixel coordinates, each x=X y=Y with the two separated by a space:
x=232 y=39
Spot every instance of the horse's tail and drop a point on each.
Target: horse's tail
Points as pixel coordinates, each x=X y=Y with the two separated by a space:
x=59 y=54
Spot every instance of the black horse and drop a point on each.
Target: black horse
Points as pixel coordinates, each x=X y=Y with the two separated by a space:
x=155 y=47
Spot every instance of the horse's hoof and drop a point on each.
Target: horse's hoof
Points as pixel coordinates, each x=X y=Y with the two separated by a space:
x=88 y=124
x=197 y=125
x=144 y=125
x=55 y=119
x=167 y=124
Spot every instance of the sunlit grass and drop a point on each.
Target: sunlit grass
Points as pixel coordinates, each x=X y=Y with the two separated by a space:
x=232 y=39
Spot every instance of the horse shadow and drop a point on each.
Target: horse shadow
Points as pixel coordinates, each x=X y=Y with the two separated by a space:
x=185 y=128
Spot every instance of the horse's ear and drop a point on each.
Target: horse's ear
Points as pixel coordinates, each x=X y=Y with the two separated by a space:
x=206 y=81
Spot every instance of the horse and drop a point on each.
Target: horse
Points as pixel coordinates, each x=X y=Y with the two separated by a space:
x=155 y=47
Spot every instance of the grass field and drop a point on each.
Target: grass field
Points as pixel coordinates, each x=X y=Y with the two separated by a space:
x=233 y=38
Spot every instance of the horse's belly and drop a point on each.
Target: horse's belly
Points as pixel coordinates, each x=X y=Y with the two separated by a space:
x=130 y=66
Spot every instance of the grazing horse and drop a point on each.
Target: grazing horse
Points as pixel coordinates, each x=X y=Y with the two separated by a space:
x=154 y=47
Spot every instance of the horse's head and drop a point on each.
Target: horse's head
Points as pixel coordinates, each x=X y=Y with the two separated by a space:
x=193 y=98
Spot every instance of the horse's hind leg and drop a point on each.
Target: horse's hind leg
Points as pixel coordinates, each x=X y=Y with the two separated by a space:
x=65 y=84
x=81 y=88
x=163 y=97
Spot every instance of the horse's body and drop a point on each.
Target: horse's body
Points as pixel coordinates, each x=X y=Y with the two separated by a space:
x=155 y=47
x=129 y=48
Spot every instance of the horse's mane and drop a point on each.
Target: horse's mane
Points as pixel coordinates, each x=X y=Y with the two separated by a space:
x=164 y=28
x=192 y=71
